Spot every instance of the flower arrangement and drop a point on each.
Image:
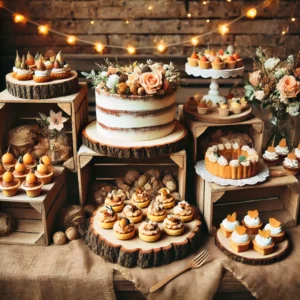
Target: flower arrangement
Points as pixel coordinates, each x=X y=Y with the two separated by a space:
x=275 y=83
x=153 y=79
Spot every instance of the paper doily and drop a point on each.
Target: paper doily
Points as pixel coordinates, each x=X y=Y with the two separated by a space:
x=261 y=176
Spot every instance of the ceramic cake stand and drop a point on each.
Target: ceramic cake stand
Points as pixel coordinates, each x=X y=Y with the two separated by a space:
x=107 y=146
x=213 y=93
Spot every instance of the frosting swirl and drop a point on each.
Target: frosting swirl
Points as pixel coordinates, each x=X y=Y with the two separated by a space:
x=222 y=161
x=41 y=73
x=24 y=72
x=156 y=208
x=234 y=163
x=251 y=221
x=239 y=239
x=131 y=210
x=182 y=209
x=261 y=241
x=274 y=231
x=172 y=222
x=221 y=147
x=230 y=225
x=291 y=163
x=149 y=228
x=58 y=71
x=282 y=150
x=270 y=155
x=228 y=146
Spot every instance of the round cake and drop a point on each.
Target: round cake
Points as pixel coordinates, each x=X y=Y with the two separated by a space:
x=135 y=102
x=230 y=161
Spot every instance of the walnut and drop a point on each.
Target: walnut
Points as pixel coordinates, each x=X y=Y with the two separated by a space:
x=7 y=224
x=153 y=173
x=170 y=183
x=123 y=78
x=131 y=176
x=59 y=238
x=142 y=180
x=72 y=233
x=176 y=196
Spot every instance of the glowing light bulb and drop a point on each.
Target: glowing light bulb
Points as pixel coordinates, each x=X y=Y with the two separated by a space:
x=283 y=32
x=127 y=22
x=161 y=47
x=92 y=22
x=194 y=41
x=131 y=49
x=189 y=15
x=150 y=7
x=228 y=0
x=204 y=2
x=293 y=19
x=71 y=40
x=43 y=29
x=223 y=29
x=251 y=13
x=19 y=18
x=208 y=20
x=99 y=47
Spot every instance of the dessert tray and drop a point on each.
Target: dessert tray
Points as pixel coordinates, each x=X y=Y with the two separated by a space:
x=251 y=256
x=213 y=115
x=136 y=252
x=102 y=144
x=261 y=176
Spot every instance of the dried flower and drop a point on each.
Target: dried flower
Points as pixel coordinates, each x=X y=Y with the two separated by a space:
x=56 y=121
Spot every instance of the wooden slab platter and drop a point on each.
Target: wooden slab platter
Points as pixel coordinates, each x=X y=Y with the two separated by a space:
x=213 y=116
x=251 y=257
x=136 y=252
x=30 y=89
x=102 y=144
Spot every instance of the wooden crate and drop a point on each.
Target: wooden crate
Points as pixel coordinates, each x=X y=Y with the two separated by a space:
x=95 y=166
x=277 y=197
x=16 y=111
x=35 y=216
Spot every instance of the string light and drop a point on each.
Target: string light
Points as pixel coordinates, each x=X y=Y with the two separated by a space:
x=293 y=19
x=189 y=15
x=43 y=29
x=71 y=40
x=150 y=7
x=92 y=22
x=207 y=20
x=127 y=22
x=99 y=47
x=204 y=2
x=251 y=13
x=223 y=29
x=131 y=49
x=228 y=0
x=194 y=41
x=19 y=18
x=283 y=32
x=161 y=47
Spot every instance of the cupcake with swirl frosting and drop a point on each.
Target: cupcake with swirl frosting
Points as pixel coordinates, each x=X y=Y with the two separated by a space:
x=275 y=228
x=271 y=156
x=252 y=222
x=239 y=240
x=133 y=213
x=290 y=164
x=263 y=242
x=149 y=231
x=229 y=224
x=282 y=149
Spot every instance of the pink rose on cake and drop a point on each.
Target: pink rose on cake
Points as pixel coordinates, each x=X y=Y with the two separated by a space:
x=288 y=87
x=254 y=78
x=151 y=82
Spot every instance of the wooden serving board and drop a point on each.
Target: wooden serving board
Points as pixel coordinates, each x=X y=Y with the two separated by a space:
x=102 y=144
x=30 y=89
x=213 y=116
x=251 y=257
x=135 y=252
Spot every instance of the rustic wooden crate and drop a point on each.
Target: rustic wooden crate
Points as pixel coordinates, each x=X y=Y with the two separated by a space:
x=35 y=216
x=277 y=197
x=95 y=166
x=16 y=111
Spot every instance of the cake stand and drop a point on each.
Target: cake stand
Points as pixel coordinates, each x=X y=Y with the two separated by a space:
x=213 y=93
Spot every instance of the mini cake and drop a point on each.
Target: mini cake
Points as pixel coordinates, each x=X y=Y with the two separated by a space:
x=275 y=228
x=236 y=107
x=29 y=161
x=224 y=109
x=290 y=164
x=115 y=199
x=44 y=172
x=48 y=63
x=239 y=240
x=297 y=152
x=218 y=64
x=282 y=149
x=204 y=63
x=239 y=61
x=270 y=156
x=230 y=62
x=24 y=73
x=192 y=104
x=123 y=229
x=173 y=225
x=30 y=61
x=59 y=71
x=32 y=185
x=193 y=60
x=17 y=65
x=9 y=185
x=133 y=213
x=263 y=243
x=166 y=198
x=149 y=231
x=229 y=224
x=141 y=197
x=106 y=217
x=252 y=222
x=41 y=74
x=20 y=171
x=184 y=211
x=156 y=211
x=202 y=108
x=8 y=160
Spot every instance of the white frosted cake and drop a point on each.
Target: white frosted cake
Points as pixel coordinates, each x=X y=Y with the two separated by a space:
x=136 y=102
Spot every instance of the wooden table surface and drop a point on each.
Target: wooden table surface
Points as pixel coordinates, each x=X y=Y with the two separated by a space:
x=229 y=288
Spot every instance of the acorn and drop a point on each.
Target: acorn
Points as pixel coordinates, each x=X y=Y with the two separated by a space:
x=7 y=157
x=72 y=233
x=20 y=166
x=59 y=238
x=46 y=160
x=40 y=64
x=18 y=60
x=8 y=177
x=141 y=91
x=30 y=59
x=27 y=159
x=56 y=64
x=124 y=222
x=31 y=178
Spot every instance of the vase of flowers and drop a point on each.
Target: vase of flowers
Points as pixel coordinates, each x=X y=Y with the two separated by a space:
x=273 y=89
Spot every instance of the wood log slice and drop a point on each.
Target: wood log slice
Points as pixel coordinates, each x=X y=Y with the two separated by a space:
x=102 y=144
x=33 y=90
x=136 y=252
x=251 y=257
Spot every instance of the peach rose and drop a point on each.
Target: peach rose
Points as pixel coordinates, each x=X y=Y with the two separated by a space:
x=254 y=78
x=151 y=82
x=288 y=87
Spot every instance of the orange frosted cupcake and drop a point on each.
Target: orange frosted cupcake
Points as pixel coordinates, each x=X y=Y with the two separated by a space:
x=32 y=185
x=204 y=63
x=230 y=62
x=239 y=61
x=282 y=149
x=270 y=156
x=202 y=108
x=239 y=240
x=193 y=60
x=218 y=64
x=290 y=164
x=9 y=185
x=252 y=222
x=263 y=242
x=275 y=228
x=20 y=171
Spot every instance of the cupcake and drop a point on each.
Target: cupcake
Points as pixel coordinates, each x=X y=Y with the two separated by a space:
x=24 y=73
x=236 y=107
x=133 y=213
x=166 y=198
x=156 y=211
x=124 y=229
x=239 y=240
x=149 y=231
x=30 y=61
x=173 y=225
x=230 y=62
x=290 y=164
x=32 y=185
x=297 y=152
x=192 y=104
x=8 y=160
x=202 y=108
x=193 y=60
x=270 y=156
x=48 y=64
x=106 y=217
x=218 y=64
x=9 y=185
x=282 y=149
x=263 y=243
x=141 y=197
x=17 y=65
x=220 y=52
x=229 y=224
x=204 y=63
x=29 y=161
x=44 y=170
x=224 y=110
x=239 y=61
x=115 y=199
x=41 y=74
x=59 y=71
x=184 y=211
x=252 y=222
x=20 y=171
x=275 y=228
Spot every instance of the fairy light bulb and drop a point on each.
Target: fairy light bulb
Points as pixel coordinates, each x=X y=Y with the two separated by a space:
x=150 y=7
x=251 y=13
x=189 y=15
x=161 y=47
x=71 y=40
x=204 y=2
x=207 y=20
x=92 y=22
x=99 y=47
x=131 y=49
x=43 y=29
x=293 y=19
x=228 y=0
x=223 y=29
x=126 y=22
x=194 y=41
x=283 y=32
x=19 y=18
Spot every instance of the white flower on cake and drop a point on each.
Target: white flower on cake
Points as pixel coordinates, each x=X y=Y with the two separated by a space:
x=56 y=120
x=112 y=81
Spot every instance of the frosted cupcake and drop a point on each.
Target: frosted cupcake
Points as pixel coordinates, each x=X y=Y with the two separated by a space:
x=270 y=156
x=106 y=217
x=41 y=74
x=133 y=213
x=202 y=108
x=229 y=224
x=115 y=199
x=156 y=211
x=141 y=197
x=184 y=211
x=252 y=222
x=59 y=71
x=218 y=64
x=32 y=185
x=282 y=149
x=204 y=63
x=24 y=73
x=263 y=243
x=149 y=231
x=124 y=229
x=239 y=240
x=166 y=198
x=275 y=228
x=193 y=60
x=173 y=225
x=9 y=185
x=290 y=164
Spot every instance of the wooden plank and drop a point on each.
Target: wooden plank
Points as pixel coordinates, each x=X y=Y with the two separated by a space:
x=23 y=213
x=30 y=226
x=23 y=238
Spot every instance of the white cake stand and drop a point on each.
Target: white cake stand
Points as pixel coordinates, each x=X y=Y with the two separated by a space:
x=213 y=93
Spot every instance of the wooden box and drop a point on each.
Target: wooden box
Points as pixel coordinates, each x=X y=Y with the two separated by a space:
x=35 y=217
x=276 y=197
x=16 y=111
x=95 y=166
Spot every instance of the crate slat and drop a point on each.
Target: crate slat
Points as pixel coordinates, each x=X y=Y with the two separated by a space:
x=24 y=238
x=30 y=226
